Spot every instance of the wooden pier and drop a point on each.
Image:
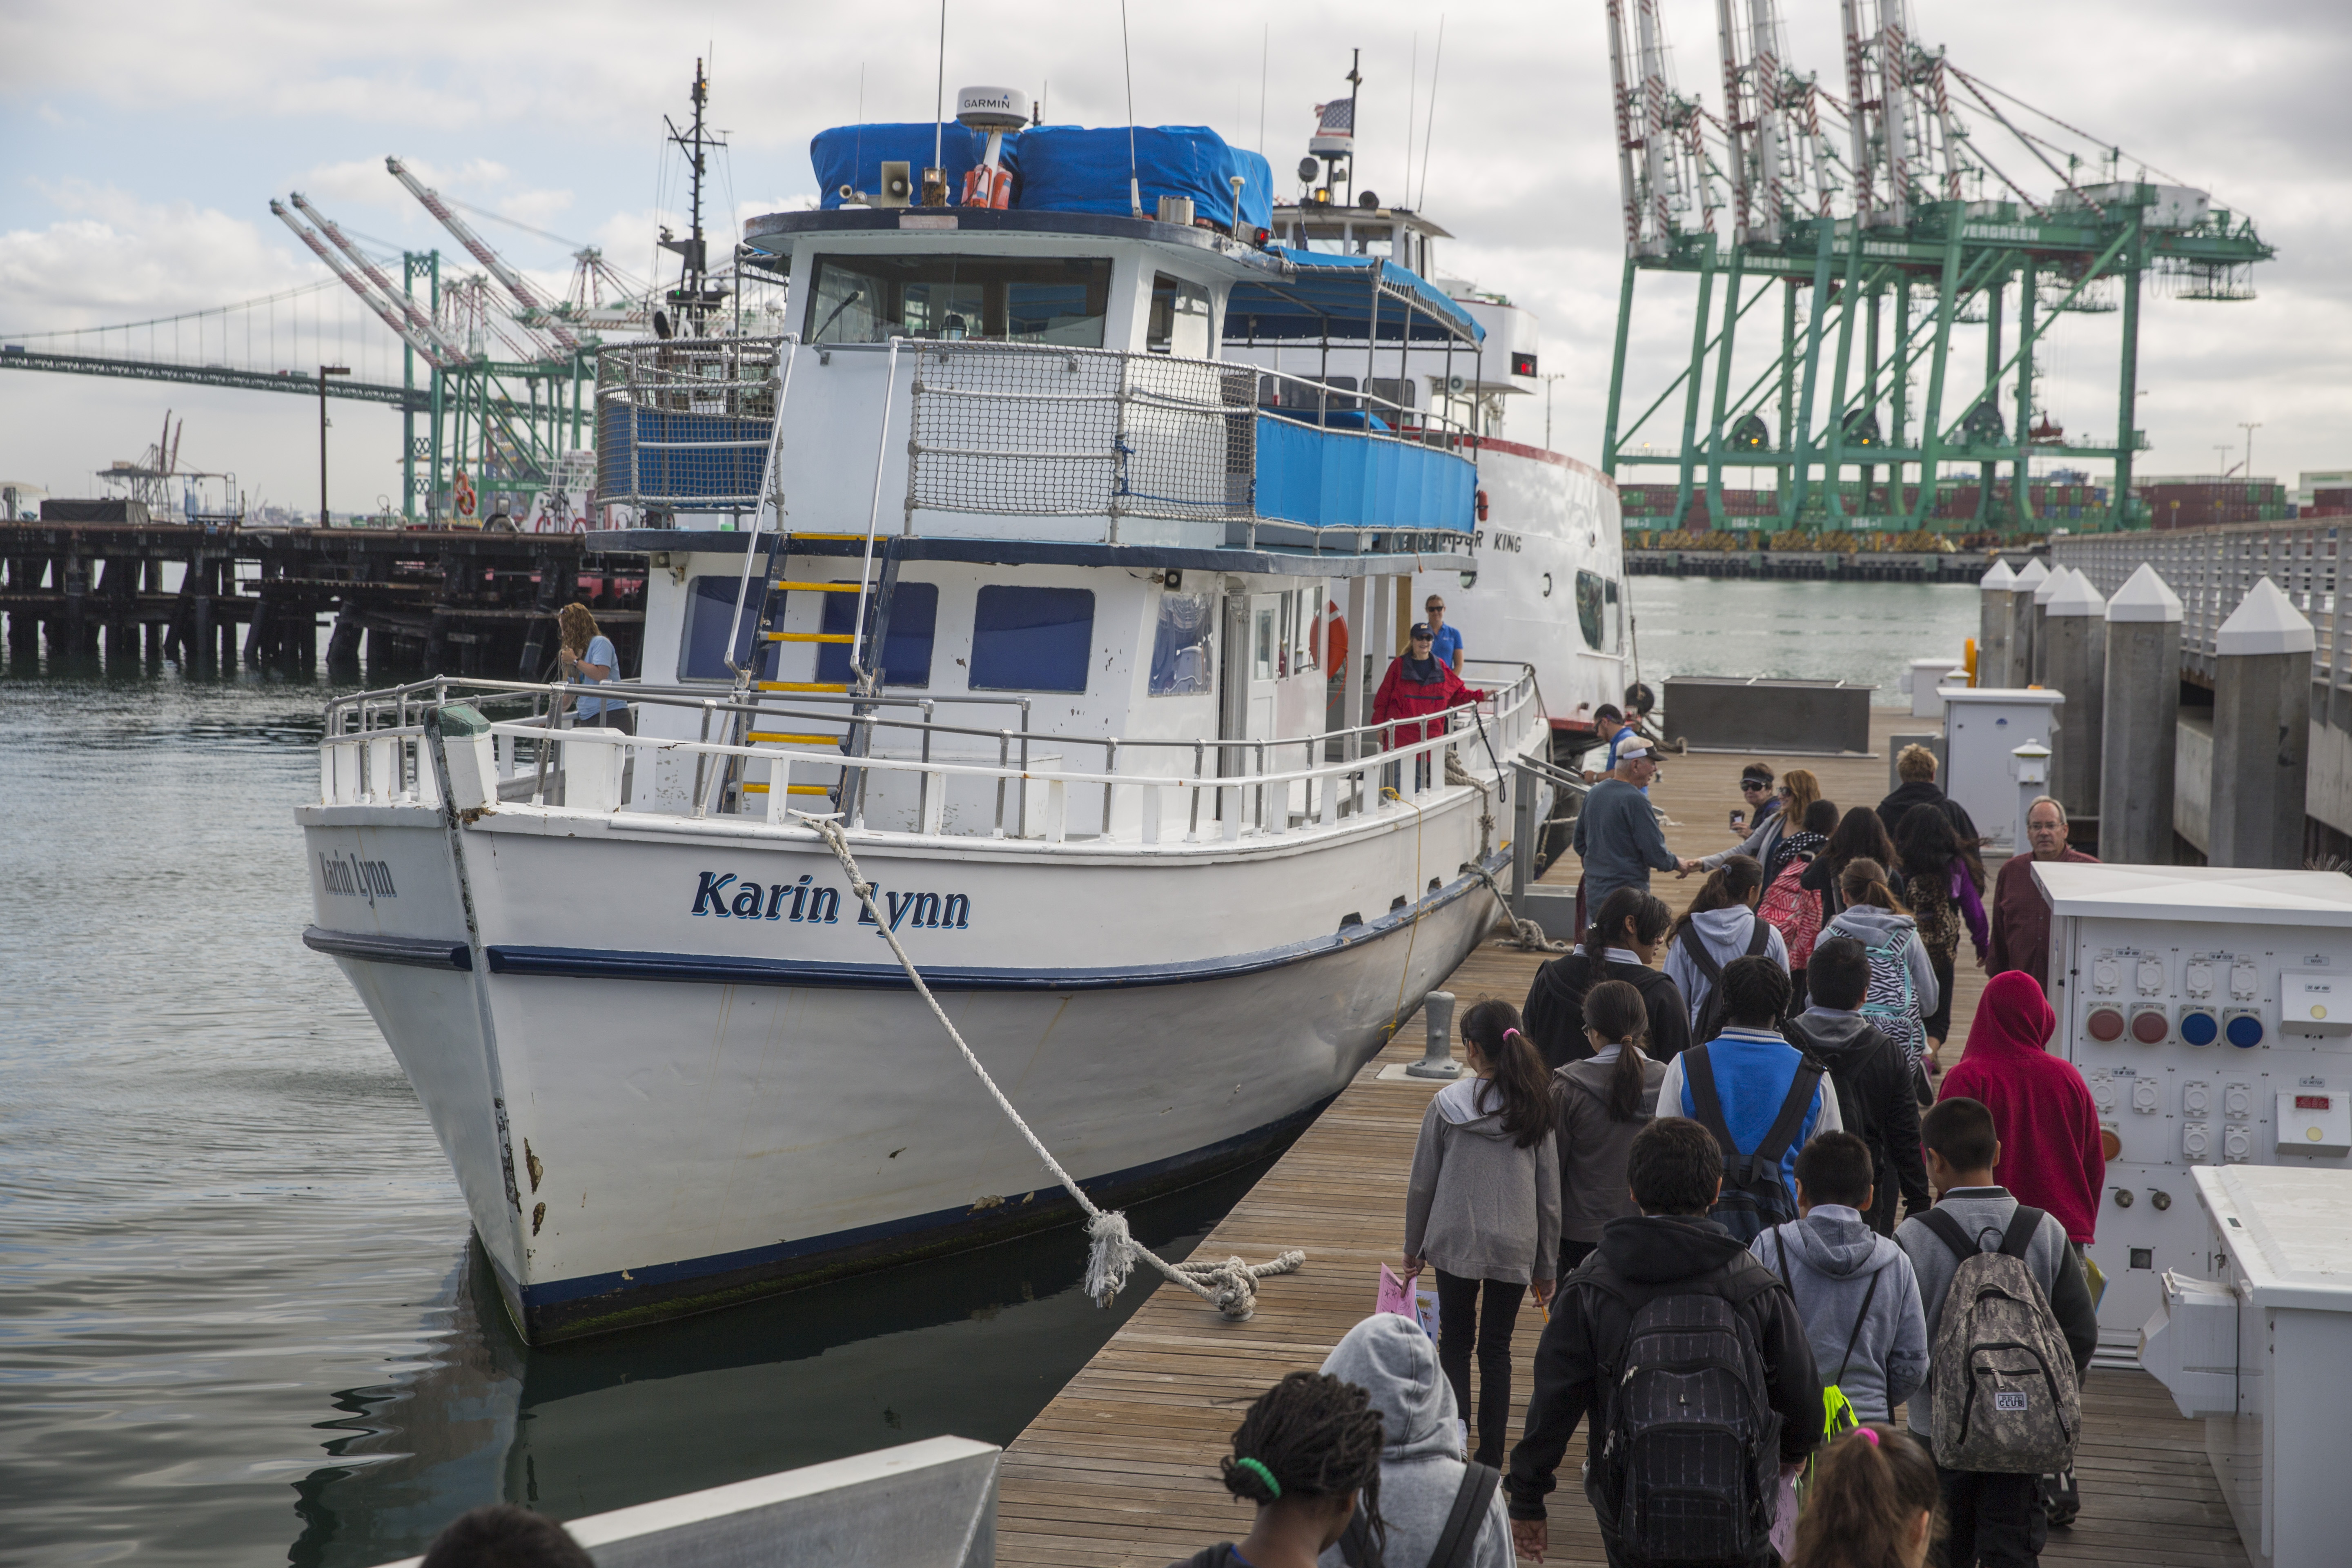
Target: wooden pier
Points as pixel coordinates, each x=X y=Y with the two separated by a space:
x=1120 y=1469
x=461 y=602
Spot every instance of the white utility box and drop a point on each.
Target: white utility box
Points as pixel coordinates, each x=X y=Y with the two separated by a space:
x=1924 y=677
x=1983 y=728
x=2177 y=991
x=2263 y=1351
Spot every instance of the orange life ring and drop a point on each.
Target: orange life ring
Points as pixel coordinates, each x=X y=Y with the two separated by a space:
x=1482 y=506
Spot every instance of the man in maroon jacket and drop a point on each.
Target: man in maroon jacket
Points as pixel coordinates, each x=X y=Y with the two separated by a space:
x=2021 y=917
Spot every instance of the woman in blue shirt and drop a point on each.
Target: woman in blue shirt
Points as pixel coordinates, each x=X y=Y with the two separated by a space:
x=588 y=656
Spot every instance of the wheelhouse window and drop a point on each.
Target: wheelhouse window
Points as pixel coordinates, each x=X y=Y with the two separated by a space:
x=906 y=650
x=1182 y=657
x=1600 y=614
x=1005 y=298
x=1180 y=317
x=710 y=611
x=1032 y=639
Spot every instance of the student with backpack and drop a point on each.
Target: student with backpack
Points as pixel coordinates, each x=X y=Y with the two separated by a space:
x=1872 y=1504
x=1620 y=944
x=1759 y=1097
x=1720 y=925
x=1795 y=911
x=1943 y=884
x=1436 y=1509
x=1854 y=1287
x=1482 y=1205
x=1598 y=1104
x=1690 y=1357
x=2011 y=1330
x=1872 y=1079
x=1902 y=980
x=1307 y=1452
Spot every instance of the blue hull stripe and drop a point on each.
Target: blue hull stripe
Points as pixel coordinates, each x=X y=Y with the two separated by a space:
x=545 y=1299
x=591 y=963
x=416 y=951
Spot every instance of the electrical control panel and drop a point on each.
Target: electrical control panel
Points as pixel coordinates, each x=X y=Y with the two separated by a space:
x=2210 y=1011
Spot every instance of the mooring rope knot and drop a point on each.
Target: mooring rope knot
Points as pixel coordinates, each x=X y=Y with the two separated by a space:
x=1231 y=1286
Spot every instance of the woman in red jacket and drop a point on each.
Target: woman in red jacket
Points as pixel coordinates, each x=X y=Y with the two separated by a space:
x=1420 y=683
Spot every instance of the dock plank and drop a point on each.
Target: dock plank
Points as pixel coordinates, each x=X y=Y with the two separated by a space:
x=1119 y=1471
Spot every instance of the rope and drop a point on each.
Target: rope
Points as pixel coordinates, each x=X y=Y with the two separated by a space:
x=1230 y=1286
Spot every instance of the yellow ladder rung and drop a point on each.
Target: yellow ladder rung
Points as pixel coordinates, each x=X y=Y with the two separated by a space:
x=803 y=685
x=789 y=789
x=810 y=637
x=787 y=587
x=782 y=738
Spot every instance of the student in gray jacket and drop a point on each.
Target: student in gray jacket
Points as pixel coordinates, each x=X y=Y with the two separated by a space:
x=1391 y=1360
x=1598 y=1105
x=1854 y=1289
x=1483 y=1206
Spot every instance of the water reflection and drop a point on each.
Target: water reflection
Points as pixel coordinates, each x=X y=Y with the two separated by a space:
x=971 y=1346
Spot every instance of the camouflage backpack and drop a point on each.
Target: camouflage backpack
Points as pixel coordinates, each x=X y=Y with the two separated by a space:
x=2006 y=1402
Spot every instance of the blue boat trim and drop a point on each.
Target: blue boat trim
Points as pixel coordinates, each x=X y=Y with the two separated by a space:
x=1382 y=546
x=660 y=1277
x=416 y=951
x=712 y=969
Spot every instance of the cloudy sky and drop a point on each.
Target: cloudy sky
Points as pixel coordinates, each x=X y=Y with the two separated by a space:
x=140 y=143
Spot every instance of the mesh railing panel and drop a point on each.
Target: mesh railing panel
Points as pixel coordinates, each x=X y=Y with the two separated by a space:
x=1033 y=430
x=684 y=424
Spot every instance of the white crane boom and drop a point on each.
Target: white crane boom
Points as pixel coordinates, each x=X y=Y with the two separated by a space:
x=516 y=284
x=418 y=317
x=389 y=314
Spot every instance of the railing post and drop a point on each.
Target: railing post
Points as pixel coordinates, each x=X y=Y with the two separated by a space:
x=1110 y=765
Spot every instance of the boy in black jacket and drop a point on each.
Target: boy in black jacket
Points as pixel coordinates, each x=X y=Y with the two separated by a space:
x=1674 y=1249
x=1873 y=1075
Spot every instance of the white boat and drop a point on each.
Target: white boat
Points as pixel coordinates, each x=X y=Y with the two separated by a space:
x=1002 y=480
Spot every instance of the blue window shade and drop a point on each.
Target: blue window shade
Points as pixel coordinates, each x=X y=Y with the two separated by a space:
x=907 y=656
x=709 y=608
x=1181 y=659
x=1032 y=639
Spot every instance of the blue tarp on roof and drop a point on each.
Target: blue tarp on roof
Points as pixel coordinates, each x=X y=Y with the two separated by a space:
x=852 y=155
x=1335 y=294
x=1076 y=169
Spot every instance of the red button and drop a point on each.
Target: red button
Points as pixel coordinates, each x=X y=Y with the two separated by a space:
x=2105 y=1024
x=2150 y=1028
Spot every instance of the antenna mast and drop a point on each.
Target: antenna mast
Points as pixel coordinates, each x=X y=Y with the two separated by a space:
x=694 y=297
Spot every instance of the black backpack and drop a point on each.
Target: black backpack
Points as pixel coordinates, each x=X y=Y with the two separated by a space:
x=1686 y=1467
x=1754 y=1197
x=1710 y=1022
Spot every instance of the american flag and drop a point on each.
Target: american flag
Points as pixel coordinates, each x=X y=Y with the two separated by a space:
x=1336 y=118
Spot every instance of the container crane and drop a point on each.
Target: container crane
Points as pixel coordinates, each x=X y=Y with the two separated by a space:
x=452 y=352
x=385 y=310
x=516 y=284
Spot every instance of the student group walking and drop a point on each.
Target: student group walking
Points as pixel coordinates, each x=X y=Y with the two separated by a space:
x=1813 y=1294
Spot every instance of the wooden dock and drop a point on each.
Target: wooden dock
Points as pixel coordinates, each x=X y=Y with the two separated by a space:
x=1120 y=1469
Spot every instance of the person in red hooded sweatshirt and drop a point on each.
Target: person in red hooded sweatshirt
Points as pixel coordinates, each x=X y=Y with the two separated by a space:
x=1418 y=683
x=2051 y=1156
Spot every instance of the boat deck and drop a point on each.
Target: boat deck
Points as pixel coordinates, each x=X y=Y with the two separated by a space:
x=1120 y=1469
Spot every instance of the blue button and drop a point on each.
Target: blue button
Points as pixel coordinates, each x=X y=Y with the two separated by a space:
x=2245 y=1030
x=2200 y=1027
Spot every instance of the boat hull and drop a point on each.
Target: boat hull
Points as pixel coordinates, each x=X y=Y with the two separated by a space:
x=661 y=1098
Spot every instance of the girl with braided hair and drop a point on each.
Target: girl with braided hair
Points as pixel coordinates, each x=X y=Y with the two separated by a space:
x=1308 y=1448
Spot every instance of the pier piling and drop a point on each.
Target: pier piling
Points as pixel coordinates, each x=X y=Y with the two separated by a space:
x=2262 y=731
x=1995 y=588
x=2140 y=701
x=2073 y=646
x=2021 y=621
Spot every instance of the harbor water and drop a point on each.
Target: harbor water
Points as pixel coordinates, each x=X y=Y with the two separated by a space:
x=241 y=1318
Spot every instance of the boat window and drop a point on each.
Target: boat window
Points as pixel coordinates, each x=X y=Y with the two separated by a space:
x=1396 y=390
x=906 y=652
x=1600 y=615
x=1017 y=299
x=1262 y=660
x=1183 y=660
x=710 y=610
x=1180 y=317
x=1032 y=639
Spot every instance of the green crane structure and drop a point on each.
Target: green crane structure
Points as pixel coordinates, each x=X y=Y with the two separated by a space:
x=1890 y=239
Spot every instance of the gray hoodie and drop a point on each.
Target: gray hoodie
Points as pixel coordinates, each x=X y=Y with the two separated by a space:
x=1831 y=1256
x=1874 y=927
x=1391 y=1359
x=1725 y=934
x=1479 y=1206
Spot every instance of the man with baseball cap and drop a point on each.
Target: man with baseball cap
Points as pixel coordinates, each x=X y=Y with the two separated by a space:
x=1617 y=835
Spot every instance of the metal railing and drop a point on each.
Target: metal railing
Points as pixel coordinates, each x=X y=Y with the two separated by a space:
x=685 y=422
x=373 y=754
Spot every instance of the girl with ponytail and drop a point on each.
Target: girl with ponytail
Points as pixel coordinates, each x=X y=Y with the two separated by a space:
x=1722 y=924
x=1308 y=1455
x=1903 y=991
x=1872 y=1503
x=1598 y=1104
x=1483 y=1206
x=1621 y=944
